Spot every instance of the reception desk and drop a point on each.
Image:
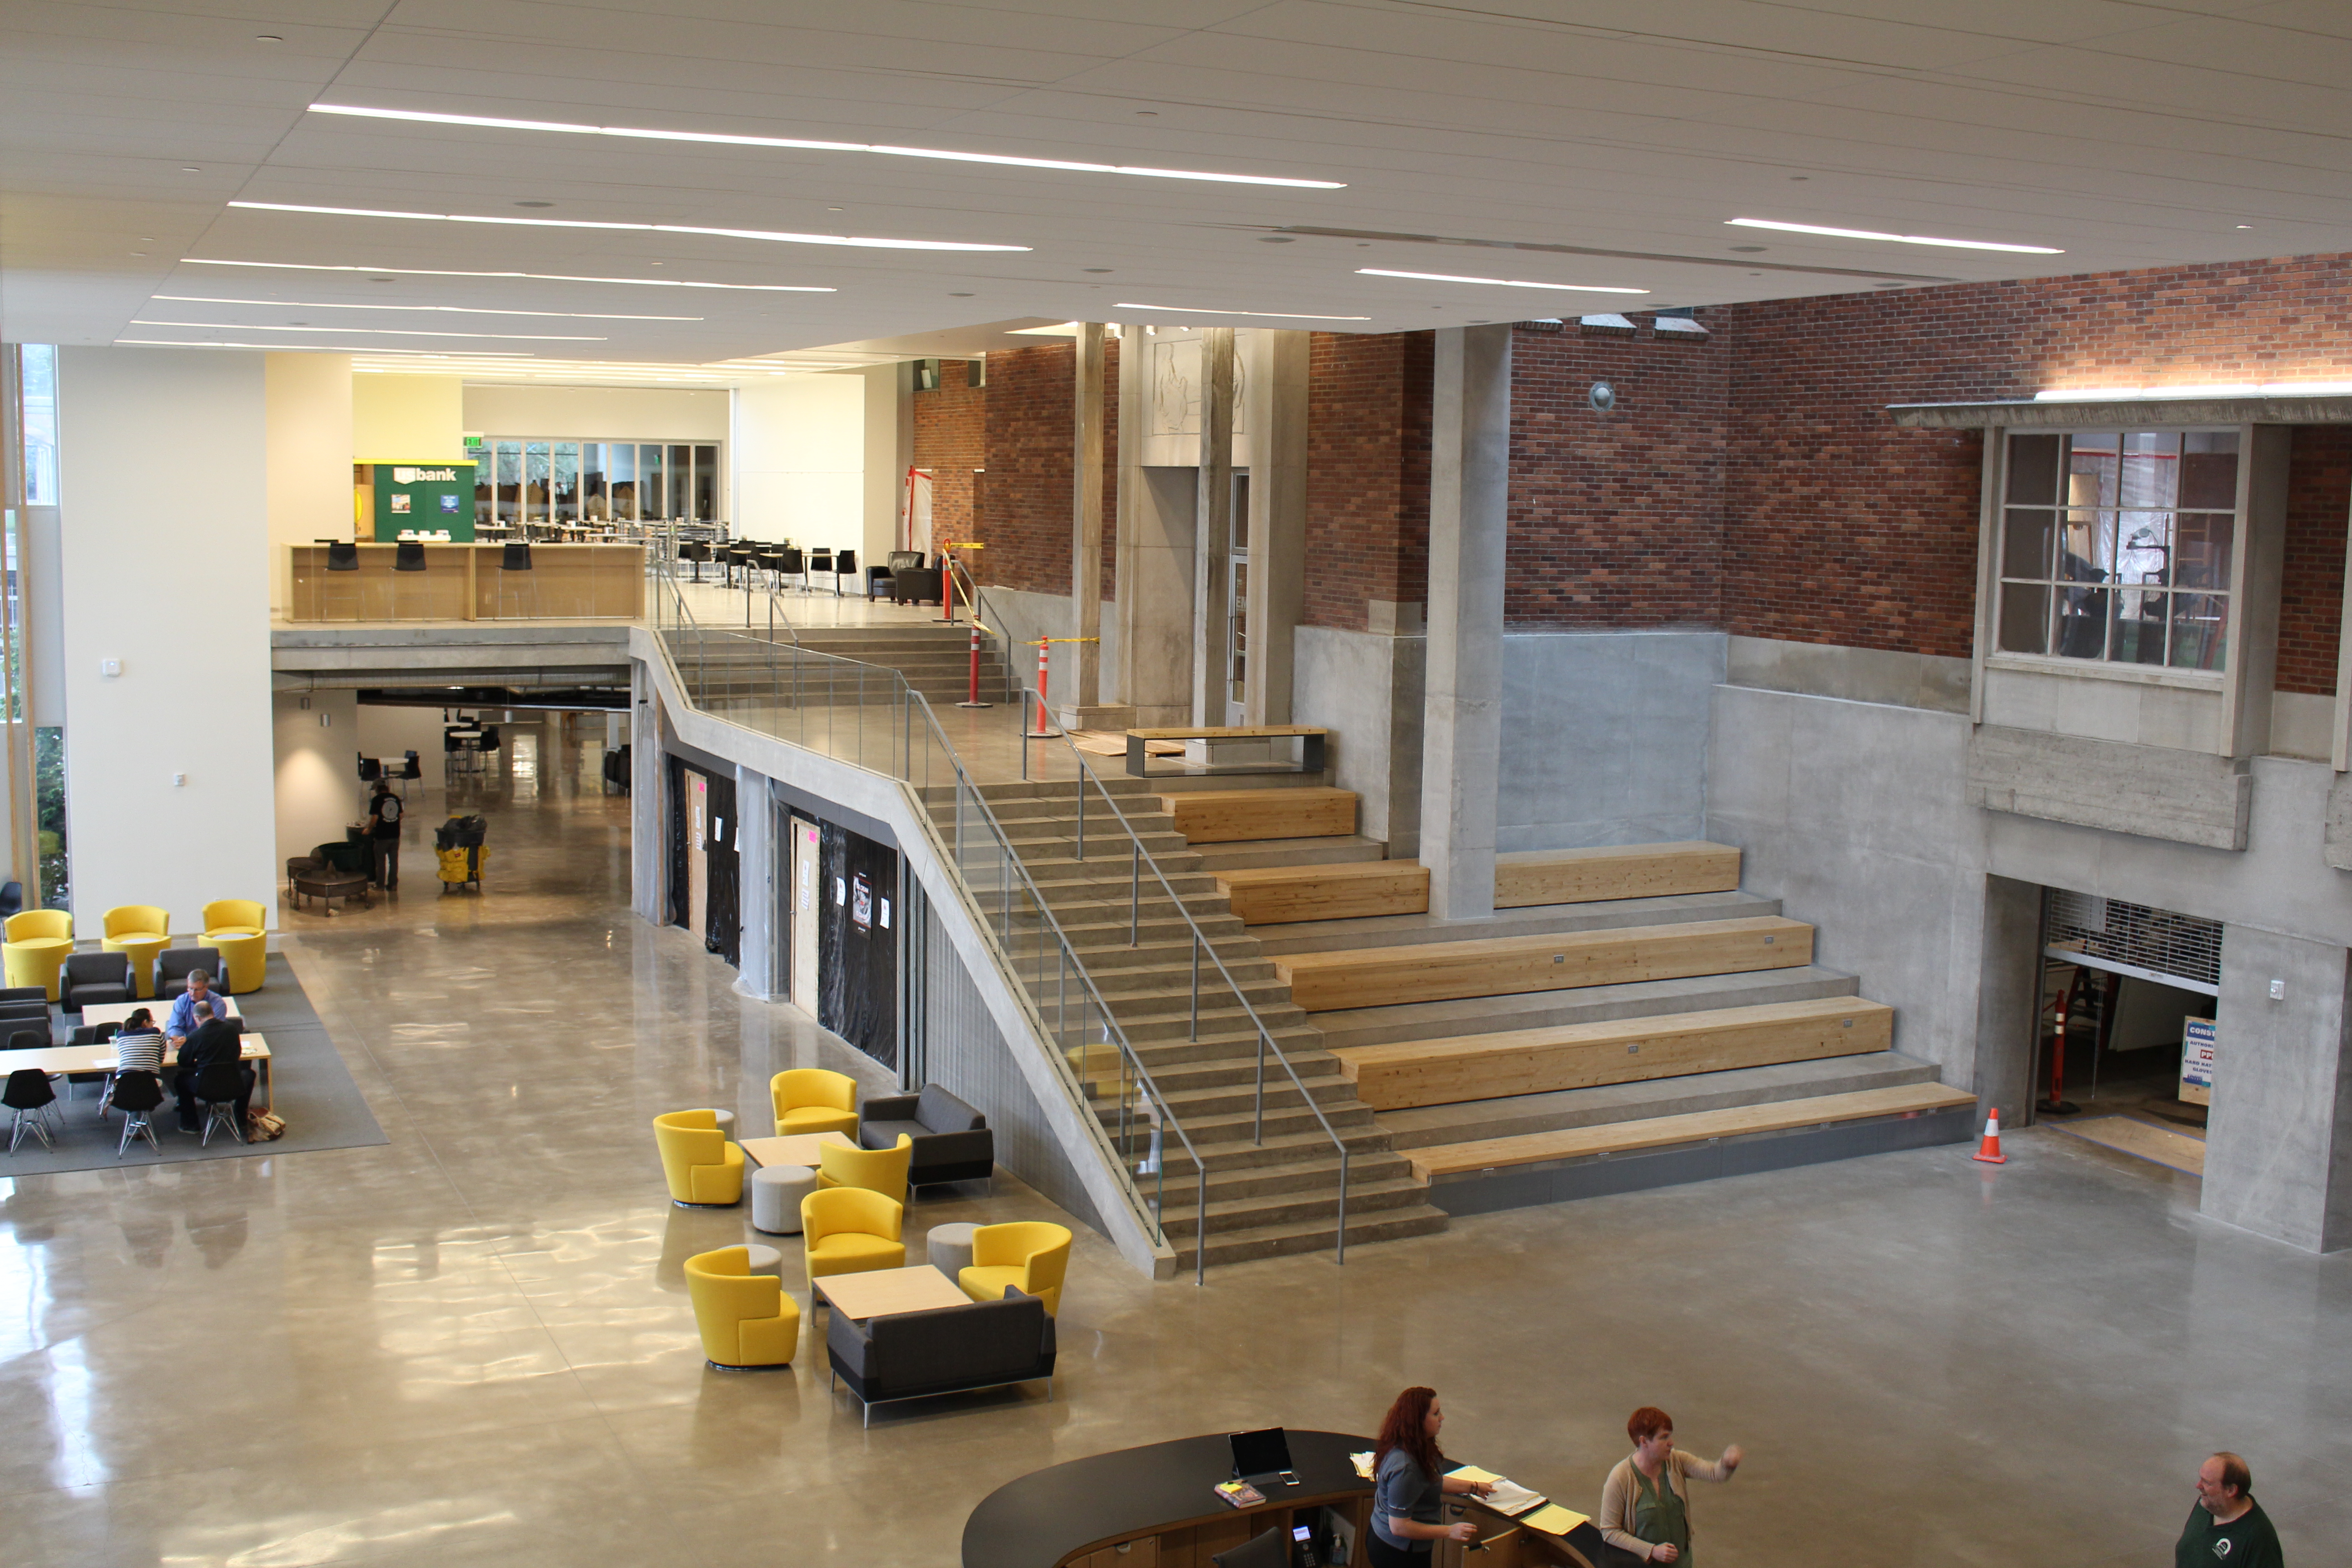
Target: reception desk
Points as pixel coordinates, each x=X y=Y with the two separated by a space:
x=467 y=583
x=1152 y=1507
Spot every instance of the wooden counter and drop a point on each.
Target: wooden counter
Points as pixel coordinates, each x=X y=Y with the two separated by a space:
x=465 y=583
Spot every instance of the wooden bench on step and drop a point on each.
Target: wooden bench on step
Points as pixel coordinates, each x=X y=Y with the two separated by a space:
x=1310 y=743
x=1694 y=1127
x=1239 y=816
x=1459 y=1068
x=1503 y=966
x=1272 y=895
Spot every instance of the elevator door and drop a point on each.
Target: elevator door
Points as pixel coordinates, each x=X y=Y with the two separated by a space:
x=807 y=864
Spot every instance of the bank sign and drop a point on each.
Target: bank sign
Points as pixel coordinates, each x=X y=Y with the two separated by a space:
x=427 y=497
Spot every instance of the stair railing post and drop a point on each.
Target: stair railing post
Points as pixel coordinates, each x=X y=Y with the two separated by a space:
x=1082 y=823
x=1257 y=1116
x=1196 y=989
x=1200 y=1226
x=1343 y=1202
x=1135 y=895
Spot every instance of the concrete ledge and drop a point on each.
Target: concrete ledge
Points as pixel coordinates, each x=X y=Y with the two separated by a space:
x=2152 y=791
x=1855 y=674
x=2336 y=846
x=1523 y=1186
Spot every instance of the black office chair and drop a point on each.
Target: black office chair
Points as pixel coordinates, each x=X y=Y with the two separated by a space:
x=1267 y=1548
x=30 y=1096
x=12 y=902
x=219 y=1085
x=27 y=1040
x=516 y=558
x=93 y=979
x=845 y=564
x=136 y=1095
x=93 y=1034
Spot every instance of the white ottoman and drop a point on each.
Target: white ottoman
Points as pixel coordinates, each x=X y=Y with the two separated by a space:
x=726 y=1122
x=765 y=1261
x=776 y=1194
x=950 y=1247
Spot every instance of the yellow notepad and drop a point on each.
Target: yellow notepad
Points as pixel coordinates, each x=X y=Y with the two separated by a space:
x=1553 y=1520
x=1472 y=1473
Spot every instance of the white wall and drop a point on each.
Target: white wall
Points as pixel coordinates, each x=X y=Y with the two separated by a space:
x=319 y=791
x=598 y=413
x=310 y=457
x=799 y=456
x=165 y=543
x=889 y=447
x=389 y=731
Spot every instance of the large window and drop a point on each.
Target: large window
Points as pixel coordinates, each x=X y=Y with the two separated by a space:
x=2115 y=546
x=539 y=482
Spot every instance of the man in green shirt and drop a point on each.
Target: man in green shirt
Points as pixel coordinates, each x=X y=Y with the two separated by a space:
x=2227 y=1529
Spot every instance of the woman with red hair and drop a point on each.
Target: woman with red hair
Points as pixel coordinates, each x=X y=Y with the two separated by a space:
x=1645 y=1503
x=1408 y=1478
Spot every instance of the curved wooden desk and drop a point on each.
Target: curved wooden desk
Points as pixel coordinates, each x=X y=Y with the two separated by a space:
x=1078 y=1514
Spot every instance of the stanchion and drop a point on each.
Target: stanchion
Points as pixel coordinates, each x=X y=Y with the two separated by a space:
x=1044 y=729
x=973 y=700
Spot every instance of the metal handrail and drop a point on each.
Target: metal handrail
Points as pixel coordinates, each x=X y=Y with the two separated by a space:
x=1067 y=959
x=972 y=594
x=1140 y=857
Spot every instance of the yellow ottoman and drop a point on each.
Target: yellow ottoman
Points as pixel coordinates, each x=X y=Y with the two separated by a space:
x=138 y=931
x=233 y=926
x=38 y=942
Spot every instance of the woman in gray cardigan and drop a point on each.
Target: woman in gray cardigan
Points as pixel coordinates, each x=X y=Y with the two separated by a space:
x=1646 y=1502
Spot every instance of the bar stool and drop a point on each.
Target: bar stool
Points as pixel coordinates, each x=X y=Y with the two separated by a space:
x=342 y=555
x=515 y=558
x=408 y=555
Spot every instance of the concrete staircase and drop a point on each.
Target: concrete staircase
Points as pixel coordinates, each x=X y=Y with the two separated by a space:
x=1265 y=1198
x=935 y=659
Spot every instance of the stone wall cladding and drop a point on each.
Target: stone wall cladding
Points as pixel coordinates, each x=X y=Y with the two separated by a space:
x=1022 y=508
x=1616 y=518
x=951 y=441
x=1367 y=429
x=2311 y=597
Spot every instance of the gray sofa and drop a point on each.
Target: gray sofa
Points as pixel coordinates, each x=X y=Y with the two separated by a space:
x=952 y=1141
x=943 y=1350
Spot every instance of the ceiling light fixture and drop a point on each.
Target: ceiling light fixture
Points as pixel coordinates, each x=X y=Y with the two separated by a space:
x=485 y=356
x=1205 y=310
x=378 y=331
x=450 y=309
x=797 y=144
x=1500 y=283
x=777 y=236
x=535 y=277
x=1891 y=238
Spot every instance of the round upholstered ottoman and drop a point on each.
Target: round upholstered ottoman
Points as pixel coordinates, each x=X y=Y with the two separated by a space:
x=764 y=1260
x=726 y=1124
x=950 y=1247
x=776 y=1194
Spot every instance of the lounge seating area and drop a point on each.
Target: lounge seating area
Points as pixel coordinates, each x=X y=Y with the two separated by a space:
x=976 y=1310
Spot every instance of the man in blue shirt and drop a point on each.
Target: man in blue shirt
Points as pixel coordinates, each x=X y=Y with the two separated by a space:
x=183 y=1020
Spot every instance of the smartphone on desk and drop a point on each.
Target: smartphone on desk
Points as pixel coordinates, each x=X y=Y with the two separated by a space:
x=1291 y=1477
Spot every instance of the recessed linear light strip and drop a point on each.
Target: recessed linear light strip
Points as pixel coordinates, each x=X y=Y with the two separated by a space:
x=1499 y=282
x=378 y=331
x=1890 y=238
x=535 y=277
x=446 y=310
x=773 y=235
x=795 y=144
x=486 y=356
x=1199 y=310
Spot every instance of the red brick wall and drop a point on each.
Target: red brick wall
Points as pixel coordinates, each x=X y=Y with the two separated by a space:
x=2311 y=599
x=1024 y=506
x=1616 y=519
x=951 y=440
x=1368 y=414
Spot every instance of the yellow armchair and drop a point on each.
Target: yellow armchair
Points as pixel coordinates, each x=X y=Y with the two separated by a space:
x=811 y=1100
x=38 y=942
x=1030 y=1255
x=745 y=1319
x=705 y=1170
x=138 y=932
x=239 y=929
x=882 y=1171
x=848 y=1230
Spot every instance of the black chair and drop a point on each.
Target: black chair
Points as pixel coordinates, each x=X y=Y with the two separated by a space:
x=25 y=1010
x=12 y=902
x=1267 y=1549
x=791 y=562
x=845 y=564
x=93 y=979
x=953 y=1141
x=878 y=578
x=698 y=553
x=515 y=558
x=917 y=586
x=30 y=1096
x=342 y=557
x=818 y=561
x=27 y=1040
x=136 y=1095
x=22 y=994
x=219 y=1085
x=410 y=767
x=371 y=769
x=94 y=1033
x=173 y=964
x=408 y=555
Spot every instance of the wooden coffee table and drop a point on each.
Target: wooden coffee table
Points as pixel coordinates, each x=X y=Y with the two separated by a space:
x=878 y=1292
x=800 y=1148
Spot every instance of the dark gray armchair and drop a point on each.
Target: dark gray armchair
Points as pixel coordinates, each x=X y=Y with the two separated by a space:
x=93 y=979
x=943 y=1350
x=173 y=964
x=952 y=1141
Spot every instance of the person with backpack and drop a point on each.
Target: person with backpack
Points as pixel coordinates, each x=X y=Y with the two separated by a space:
x=383 y=835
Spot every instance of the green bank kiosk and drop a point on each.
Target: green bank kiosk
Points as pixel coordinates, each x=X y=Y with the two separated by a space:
x=423 y=498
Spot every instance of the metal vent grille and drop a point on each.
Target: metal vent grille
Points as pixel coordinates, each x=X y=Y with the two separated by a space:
x=2138 y=939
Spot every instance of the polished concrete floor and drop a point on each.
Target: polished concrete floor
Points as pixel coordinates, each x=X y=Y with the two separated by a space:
x=473 y=1346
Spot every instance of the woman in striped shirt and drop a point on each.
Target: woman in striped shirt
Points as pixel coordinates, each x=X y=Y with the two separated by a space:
x=139 y=1047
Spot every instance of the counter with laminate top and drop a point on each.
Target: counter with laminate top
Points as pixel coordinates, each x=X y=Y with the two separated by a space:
x=469 y=582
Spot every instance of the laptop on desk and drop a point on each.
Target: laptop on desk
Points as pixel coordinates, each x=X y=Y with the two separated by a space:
x=1262 y=1459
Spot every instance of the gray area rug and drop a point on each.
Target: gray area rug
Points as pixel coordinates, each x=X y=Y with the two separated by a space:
x=323 y=1108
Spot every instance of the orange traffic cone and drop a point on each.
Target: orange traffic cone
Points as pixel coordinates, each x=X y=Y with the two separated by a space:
x=1990 y=1149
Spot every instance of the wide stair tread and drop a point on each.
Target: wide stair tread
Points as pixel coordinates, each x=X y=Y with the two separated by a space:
x=1402 y=931
x=1591 y=1004
x=1246 y=1245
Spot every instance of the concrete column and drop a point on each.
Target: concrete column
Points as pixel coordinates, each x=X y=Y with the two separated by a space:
x=2008 y=998
x=757 y=970
x=2278 y=1148
x=1462 y=735
x=649 y=853
x=1153 y=599
x=1078 y=701
x=1278 y=523
x=1213 y=561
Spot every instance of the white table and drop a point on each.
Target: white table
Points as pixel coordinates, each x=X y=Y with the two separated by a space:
x=224 y=1005
x=100 y=1057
